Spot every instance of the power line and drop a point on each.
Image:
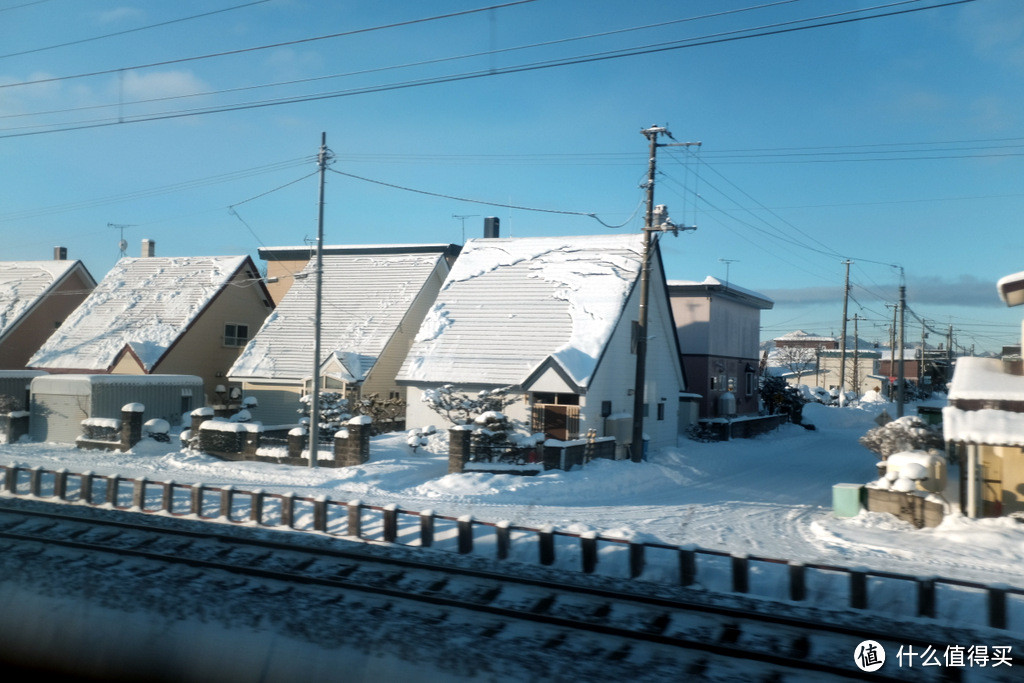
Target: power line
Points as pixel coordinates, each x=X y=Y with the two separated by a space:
x=132 y=30
x=775 y=29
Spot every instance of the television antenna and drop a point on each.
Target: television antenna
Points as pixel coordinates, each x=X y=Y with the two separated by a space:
x=463 y=218
x=728 y=262
x=122 y=244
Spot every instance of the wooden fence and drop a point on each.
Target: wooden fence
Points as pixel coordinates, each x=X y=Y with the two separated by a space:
x=809 y=583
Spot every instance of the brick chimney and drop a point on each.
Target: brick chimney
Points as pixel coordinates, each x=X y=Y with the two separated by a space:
x=60 y=253
x=148 y=248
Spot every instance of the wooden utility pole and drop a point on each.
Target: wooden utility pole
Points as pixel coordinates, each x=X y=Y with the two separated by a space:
x=855 y=384
x=900 y=391
x=314 y=396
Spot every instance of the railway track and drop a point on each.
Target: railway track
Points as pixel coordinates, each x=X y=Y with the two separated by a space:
x=555 y=624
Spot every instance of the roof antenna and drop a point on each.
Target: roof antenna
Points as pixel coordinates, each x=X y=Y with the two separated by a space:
x=122 y=245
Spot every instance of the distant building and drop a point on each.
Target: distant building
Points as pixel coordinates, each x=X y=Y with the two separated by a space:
x=718 y=325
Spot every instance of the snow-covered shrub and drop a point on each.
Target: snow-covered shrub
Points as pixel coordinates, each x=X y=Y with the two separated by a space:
x=157 y=429
x=417 y=437
x=908 y=433
x=780 y=397
x=8 y=404
x=334 y=410
x=462 y=409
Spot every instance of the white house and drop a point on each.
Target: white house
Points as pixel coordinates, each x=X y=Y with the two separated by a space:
x=373 y=301
x=552 y=318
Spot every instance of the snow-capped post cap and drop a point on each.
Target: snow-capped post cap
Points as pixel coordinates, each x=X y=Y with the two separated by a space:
x=360 y=420
x=205 y=411
x=133 y=408
x=297 y=431
x=157 y=426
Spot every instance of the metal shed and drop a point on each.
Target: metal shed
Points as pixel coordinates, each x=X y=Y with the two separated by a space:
x=61 y=402
x=16 y=383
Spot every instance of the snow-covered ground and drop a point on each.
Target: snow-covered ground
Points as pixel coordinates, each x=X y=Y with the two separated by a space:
x=769 y=496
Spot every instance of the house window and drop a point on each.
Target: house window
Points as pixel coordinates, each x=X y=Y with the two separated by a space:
x=235 y=334
x=749 y=379
x=661 y=411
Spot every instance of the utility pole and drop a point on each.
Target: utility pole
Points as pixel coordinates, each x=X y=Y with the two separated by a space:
x=640 y=330
x=892 y=348
x=314 y=403
x=842 y=343
x=855 y=384
x=900 y=391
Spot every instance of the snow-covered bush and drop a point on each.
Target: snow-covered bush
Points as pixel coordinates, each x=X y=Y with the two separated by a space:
x=462 y=409
x=908 y=433
x=780 y=397
x=8 y=404
x=335 y=409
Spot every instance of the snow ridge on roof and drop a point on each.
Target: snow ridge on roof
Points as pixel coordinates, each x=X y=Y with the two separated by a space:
x=509 y=305
x=364 y=300
x=22 y=283
x=143 y=304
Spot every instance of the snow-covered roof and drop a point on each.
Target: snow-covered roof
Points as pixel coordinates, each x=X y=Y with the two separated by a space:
x=510 y=305
x=143 y=305
x=984 y=379
x=994 y=427
x=711 y=283
x=365 y=297
x=24 y=283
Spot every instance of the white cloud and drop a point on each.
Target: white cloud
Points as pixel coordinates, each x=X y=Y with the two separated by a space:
x=154 y=84
x=119 y=14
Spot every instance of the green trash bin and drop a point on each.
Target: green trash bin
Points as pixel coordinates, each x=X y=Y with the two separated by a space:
x=846 y=499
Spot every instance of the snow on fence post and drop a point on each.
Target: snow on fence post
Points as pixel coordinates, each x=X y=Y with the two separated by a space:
x=588 y=551
x=687 y=565
x=740 y=573
x=35 y=481
x=997 y=605
x=426 y=528
x=296 y=442
x=797 y=581
x=926 y=596
x=355 y=518
x=636 y=559
x=199 y=416
x=546 y=544
x=60 y=484
x=353 y=446
x=256 y=511
x=131 y=425
x=504 y=545
x=139 y=494
x=459 y=448
x=858 y=587
x=197 y=500
x=465 y=525
x=288 y=510
x=390 y=514
x=227 y=499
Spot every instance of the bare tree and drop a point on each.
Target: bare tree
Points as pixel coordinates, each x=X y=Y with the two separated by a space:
x=796 y=359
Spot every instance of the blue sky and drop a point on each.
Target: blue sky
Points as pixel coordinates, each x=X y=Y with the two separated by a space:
x=894 y=142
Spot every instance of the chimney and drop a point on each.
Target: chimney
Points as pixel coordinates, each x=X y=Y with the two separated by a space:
x=148 y=248
x=60 y=253
x=491 y=227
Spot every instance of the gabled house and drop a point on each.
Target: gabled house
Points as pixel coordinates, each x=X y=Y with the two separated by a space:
x=373 y=301
x=719 y=326
x=984 y=422
x=35 y=298
x=552 y=318
x=149 y=315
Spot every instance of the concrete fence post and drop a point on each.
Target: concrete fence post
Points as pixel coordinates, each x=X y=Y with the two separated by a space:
x=390 y=515
x=797 y=581
x=35 y=481
x=997 y=605
x=167 y=497
x=256 y=511
x=320 y=514
x=139 y=494
x=926 y=596
x=588 y=551
x=858 y=588
x=288 y=510
x=355 y=519
x=546 y=545
x=113 y=487
x=197 y=500
x=11 y=478
x=87 y=482
x=227 y=501
x=465 y=526
x=740 y=573
x=687 y=565
x=60 y=484
x=459 y=448
x=426 y=528
x=637 y=560
x=504 y=537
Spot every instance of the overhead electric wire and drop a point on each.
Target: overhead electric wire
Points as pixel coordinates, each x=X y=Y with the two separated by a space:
x=776 y=29
x=132 y=30
x=483 y=201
